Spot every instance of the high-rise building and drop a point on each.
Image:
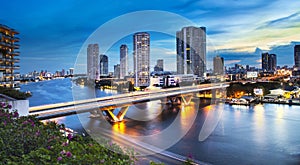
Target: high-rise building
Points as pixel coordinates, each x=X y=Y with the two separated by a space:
x=218 y=64
x=272 y=62
x=297 y=56
x=123 y=61
x=159 y=65
x=191 y=50
x=269 y=62
x=93 y=62
x=264 y=61
x=141 y=58
x=9 y=76
x=71 y=71
x=103 y=65
x=117 y=71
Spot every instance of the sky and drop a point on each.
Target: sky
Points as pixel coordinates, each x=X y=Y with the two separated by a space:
x=53 y=34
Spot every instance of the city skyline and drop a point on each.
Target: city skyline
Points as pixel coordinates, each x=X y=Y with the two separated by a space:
x=52 y=33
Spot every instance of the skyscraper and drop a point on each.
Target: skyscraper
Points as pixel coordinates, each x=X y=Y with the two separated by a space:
x=297 y=56
x=272 y=62
x=264 y=61
x=8 y=52
x=191 y=50
x=218 y=64
x=117 y=71
x=123 y=61
x=159 y=65
x=269 y=62
x=141 y=58
x=93 y=72
x=103 y=65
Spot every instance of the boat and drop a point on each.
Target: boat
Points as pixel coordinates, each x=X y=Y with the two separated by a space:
x=240 y=101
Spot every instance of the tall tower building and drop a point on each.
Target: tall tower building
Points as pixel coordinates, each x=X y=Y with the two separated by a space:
x=9 y=77
x=297 y=56
x=141 y=58
x=269 y=62
x=218 y=64
x=93 y=72
x=123 y=61
x=103 y=65
x=191 y=50
x=264 y=61
x=272 y=62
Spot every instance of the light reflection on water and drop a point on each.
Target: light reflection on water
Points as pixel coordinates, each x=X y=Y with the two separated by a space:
x=260 y=134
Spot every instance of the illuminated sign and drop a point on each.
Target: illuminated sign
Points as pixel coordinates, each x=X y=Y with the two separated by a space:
x=252 y=74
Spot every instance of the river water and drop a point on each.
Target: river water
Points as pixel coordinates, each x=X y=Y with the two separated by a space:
x=213 y=133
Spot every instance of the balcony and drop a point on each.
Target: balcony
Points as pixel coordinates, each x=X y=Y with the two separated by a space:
x=16 y=46
x=17 y=60
x=15 y=53
x=16 y=73
x=16 y=67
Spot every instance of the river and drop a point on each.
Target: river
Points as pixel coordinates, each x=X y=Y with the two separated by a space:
x=260 y=134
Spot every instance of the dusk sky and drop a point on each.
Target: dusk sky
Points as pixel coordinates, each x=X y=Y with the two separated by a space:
x=52 y=33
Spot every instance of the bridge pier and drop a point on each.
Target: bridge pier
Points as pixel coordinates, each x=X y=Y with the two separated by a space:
x=180 y=99
x=119 y=116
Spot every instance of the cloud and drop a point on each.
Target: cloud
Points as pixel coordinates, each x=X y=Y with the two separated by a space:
x=228 y=62
x=258 y=61
x=284 y=22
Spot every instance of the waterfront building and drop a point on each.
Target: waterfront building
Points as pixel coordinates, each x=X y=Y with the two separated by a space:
x=191 y=50
x=93 y=72
x=117 y=71
x=103 y=65
x=269 y=62
x=141 y=58
x=123 y=61
x=297 y=56
x=159 y=65
x=71 y=71
x=218 y=64
x=9 y=75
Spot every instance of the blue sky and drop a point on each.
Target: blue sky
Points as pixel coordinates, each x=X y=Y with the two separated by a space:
x=53 y=33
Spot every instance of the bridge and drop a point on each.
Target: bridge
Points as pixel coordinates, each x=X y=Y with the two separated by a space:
x=177 y=95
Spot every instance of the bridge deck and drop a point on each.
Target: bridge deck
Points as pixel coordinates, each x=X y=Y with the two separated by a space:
x=80 y=106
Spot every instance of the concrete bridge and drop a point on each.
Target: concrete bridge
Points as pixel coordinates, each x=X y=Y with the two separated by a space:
x=177 y=95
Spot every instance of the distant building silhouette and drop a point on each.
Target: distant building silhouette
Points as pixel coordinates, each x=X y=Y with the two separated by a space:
x=160 y=65
x=297 y=56
x=191 y=50
x=141 y=58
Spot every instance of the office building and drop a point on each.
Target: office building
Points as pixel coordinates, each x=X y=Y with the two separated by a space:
x=123 y=61
x=93 y=72
x=103 y=65
x=9 y=75
x=141 y=58
x=191 y=50
x=297 y=56
x=159 y=65
x=117 y=71
x=218 y=64
x=269 y=62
